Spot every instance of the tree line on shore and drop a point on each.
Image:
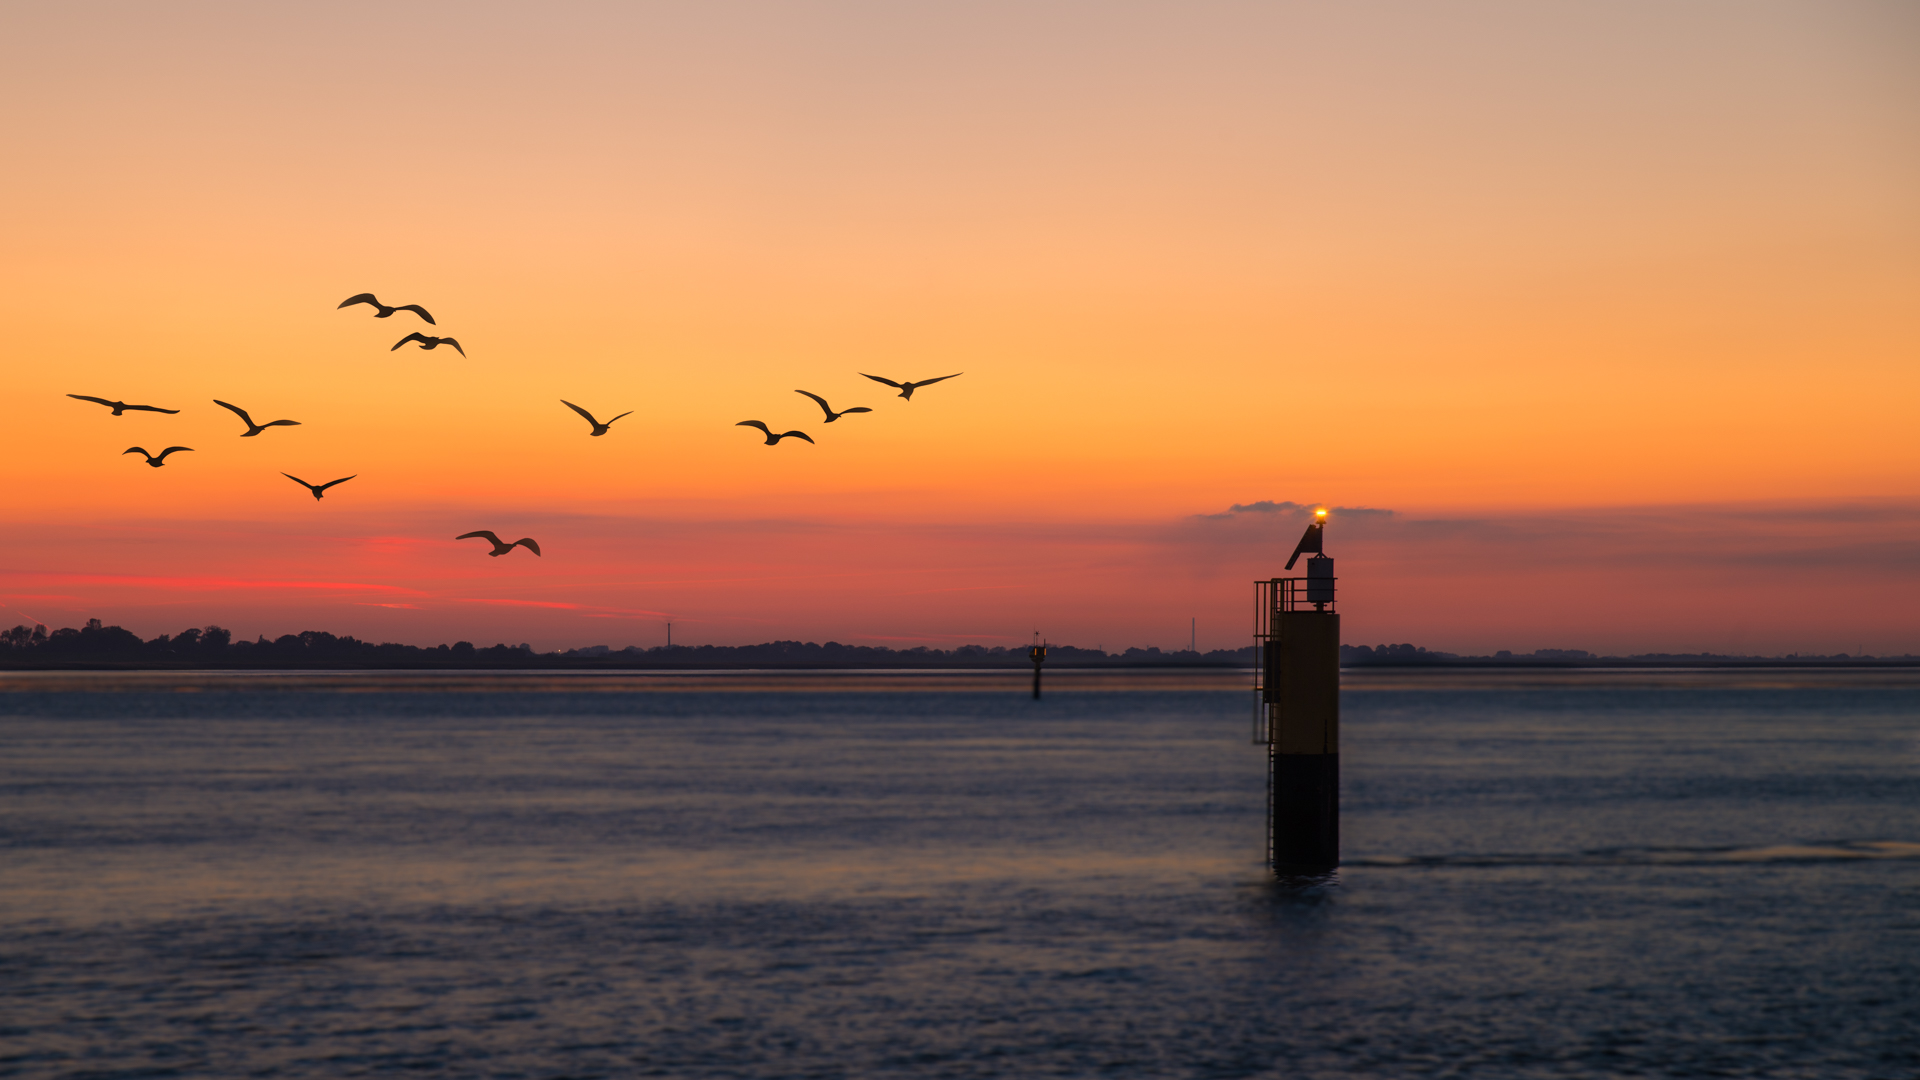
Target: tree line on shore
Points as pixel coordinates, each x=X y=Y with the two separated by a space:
x=98 y=646
x=95 y=645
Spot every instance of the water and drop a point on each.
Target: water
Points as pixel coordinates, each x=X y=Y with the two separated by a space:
x=1558 y=874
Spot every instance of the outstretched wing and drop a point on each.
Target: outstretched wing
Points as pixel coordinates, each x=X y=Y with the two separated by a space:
x=629 y=412
x=820 y=401
x=484 y=534
x=527 y=542
x=95 y=400
x=330 y=483
x=449 y=341
x=297 y=480
x=754 y=423
x=415 y=336
x=141 y=450
x=171 y=449
x=150 y=408
x=796 y=435
x=360 y=298
x=943 y=378
x=417 y=310
x=877 y=378
x=281 y=423
x=857 y=408
x=240 y=412
x=1309 y=544
x=582 y=412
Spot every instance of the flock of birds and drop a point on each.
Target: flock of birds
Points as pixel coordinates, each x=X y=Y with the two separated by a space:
x=426 y=341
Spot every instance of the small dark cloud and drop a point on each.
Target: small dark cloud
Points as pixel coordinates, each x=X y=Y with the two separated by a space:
x=1264 y=506
x=1290 y=508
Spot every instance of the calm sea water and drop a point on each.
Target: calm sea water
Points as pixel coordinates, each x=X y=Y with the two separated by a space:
x=1576 y=874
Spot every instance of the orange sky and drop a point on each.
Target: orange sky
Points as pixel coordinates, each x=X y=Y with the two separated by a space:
x=1496 y=261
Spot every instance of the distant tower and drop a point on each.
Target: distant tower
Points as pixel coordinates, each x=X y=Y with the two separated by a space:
x=1296 y=644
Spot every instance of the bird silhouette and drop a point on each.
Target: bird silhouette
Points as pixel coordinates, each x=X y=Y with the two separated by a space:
x=156 y=462
x=828 y=409
x=119 y=407
x=499 y=548
x=598 y=427
x=319 y=490
x=773 y=439
x=907 y=388
x=429 y=342
x=381 y=310
x=253 y=428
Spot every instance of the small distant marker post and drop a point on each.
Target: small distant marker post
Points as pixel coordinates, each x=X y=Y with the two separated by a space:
x=1296 y=644
x=1037 y=654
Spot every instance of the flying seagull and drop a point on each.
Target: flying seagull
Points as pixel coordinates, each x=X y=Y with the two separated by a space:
x=253 y=428
x=156 y=462
x=773 y=439
x=907 y=388
x=429 y=342
x=828 y=409
x=499 y=548
x=598 y=427
x=119 y=407
x=319 y=490
x=381 y=310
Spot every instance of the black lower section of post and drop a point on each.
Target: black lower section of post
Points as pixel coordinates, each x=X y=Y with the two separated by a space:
x=1306 y=811
x=1036 y=682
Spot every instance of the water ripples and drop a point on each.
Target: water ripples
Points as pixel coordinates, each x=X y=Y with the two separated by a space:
x=1838 y=851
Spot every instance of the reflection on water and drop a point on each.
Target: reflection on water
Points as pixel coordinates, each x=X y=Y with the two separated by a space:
x=1507 y=680
x=1845 y=851
x=1358 y=680
x=1132 y=680
x=1582 y=873
x=839 y=680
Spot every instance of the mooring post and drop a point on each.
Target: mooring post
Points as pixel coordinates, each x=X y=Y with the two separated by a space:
x=1037 y=654
x=1300 y=697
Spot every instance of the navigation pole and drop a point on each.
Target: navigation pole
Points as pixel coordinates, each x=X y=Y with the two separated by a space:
x=1296 y=644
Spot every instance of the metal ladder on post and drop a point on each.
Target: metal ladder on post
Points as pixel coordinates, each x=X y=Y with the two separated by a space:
x=1264 y=598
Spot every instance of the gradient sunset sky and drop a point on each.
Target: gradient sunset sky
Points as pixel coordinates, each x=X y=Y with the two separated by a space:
x=1607 y=314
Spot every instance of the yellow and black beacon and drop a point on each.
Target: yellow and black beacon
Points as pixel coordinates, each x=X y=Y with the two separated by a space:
x=1296 y=666
x=1038 y=654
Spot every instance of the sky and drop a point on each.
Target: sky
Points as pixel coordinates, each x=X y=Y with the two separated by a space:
x=1604 y=312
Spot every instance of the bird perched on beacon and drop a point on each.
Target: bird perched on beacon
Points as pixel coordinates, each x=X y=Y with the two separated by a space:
x=598 y=427
x=152 y=460
x=319 y=490
x=499 y=548
x=828 y=409
x=773 y=439
x=253 y=428
x=119 y=407
x=429 y=342
x=907 y=388
x=1311 y=541
x=381 y=310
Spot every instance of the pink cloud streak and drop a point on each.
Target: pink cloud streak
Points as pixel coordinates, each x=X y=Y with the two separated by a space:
x=1634 y=579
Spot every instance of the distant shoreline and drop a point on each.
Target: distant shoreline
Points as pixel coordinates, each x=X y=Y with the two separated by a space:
x=95 y=647
x=540 y=663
